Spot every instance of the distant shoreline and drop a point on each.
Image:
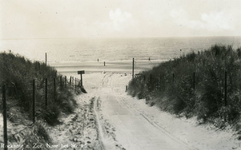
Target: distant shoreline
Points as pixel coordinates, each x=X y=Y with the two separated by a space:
x=107 y=38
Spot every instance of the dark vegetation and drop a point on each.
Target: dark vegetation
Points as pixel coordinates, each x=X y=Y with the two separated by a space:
x=172 y=86
x=17 y=73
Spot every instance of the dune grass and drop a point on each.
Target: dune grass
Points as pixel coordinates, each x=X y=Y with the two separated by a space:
x=17 y=73
x=171 y=85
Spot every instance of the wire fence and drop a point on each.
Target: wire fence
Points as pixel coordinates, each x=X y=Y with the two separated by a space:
x=42 y=91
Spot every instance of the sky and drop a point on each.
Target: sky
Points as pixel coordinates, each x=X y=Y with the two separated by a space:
x=118 y=18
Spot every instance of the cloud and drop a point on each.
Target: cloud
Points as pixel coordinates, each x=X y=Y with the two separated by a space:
x=119 y=21
x=217 y=20
x=212 y=21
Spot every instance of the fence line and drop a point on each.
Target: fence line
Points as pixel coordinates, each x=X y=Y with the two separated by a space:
x=75 y=85
x=5 y=135
x=34 y=96
x=193 y=85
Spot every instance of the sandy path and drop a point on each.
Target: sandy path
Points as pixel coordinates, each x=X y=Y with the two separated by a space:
x=128 y=123
x=134 y=130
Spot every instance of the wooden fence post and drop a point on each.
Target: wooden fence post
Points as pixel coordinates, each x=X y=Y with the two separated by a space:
x=5 y=135
x=133 y=72
x=70 y=80
x=60 y=81
x=173 y=77
x=225 y=89
x=194 y=80
x=75 y=84
x=46 y=60
x=46 y=92
x=33 y=100
x=225 y=95
x=65 y=80
x=160 y=81
x=54 y=89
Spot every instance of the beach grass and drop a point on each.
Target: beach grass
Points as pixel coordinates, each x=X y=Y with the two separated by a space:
x=17 y=73
x=195 y=85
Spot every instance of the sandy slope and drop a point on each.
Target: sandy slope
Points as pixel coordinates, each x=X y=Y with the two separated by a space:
x=137 y=126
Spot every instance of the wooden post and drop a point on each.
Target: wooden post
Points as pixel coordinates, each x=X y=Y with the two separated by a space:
x=173 y=77
x=70 y=80
x=5 y=135
x=104 y=63
x=65 y=80
x=194 y=80
x=46 y=59
x=126 y=88
x=160 y=81
x=54 y=89
x=46 y=92
x=225 y=95
x=133 y=63
x=75 y=84
x=60 y=81
x=225 y=89
x=33 y=100
x=81 y=80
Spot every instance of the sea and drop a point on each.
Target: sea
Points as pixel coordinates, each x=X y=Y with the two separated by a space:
x=67 y=51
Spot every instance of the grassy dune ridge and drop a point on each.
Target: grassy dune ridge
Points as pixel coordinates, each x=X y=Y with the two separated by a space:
x=17 y=73
x=171 y=85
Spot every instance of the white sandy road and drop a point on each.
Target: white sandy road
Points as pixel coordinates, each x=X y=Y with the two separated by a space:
x=134 y=130
x=138 y=126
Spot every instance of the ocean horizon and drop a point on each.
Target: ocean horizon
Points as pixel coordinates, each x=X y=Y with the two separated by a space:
x=111 y=49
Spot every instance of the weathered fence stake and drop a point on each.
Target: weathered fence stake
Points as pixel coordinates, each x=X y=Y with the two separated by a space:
x=133 y=63
x=46 y=92
x=33 y=100
x=54 y=89
x=194 y=80
x=60 y=81
x=75 y=84
x=65 y=80
x=46 y=58
x=5 y=135
x=70 y=80
x=104 y=63
x=225 y=89
x=225 y=94
x=173 y=77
